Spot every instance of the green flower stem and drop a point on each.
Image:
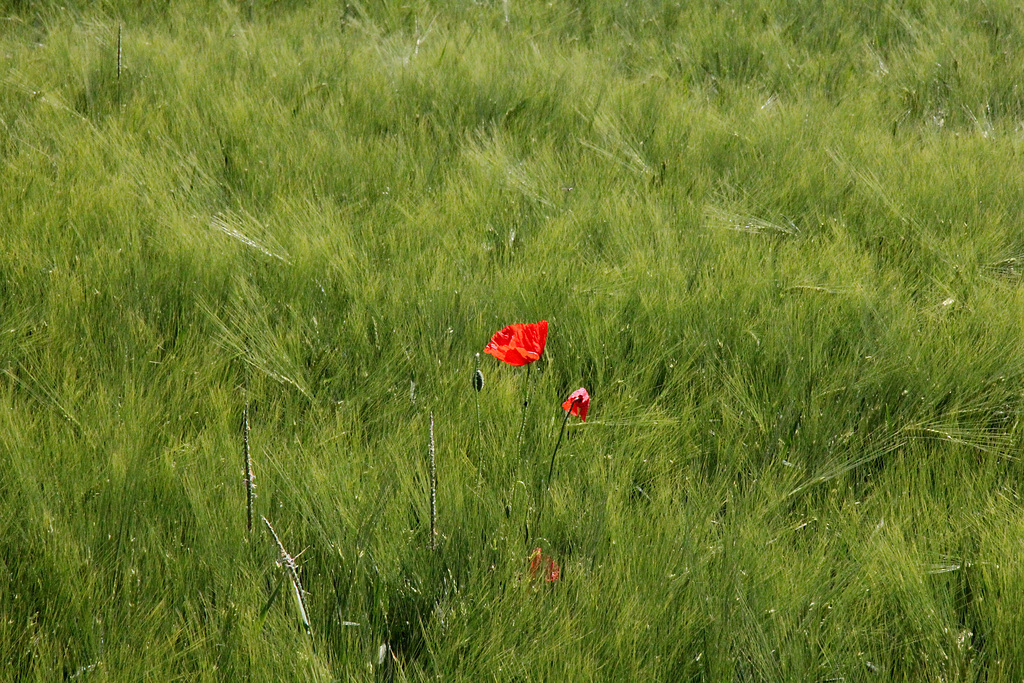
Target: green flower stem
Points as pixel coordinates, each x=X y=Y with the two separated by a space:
x=551 y=467
x=478 y=385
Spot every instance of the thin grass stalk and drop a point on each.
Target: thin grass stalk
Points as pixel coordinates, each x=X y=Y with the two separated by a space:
x=291 y=568
x=433 y=488
x=526 y=403
x=118 y=84
x=250 y=485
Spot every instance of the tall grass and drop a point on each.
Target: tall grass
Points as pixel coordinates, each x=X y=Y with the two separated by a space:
x=777 y=241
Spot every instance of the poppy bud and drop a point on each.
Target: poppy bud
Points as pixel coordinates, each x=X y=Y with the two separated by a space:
x=478 y=377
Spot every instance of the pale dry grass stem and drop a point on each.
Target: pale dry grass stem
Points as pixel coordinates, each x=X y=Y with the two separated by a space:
x=291 y=568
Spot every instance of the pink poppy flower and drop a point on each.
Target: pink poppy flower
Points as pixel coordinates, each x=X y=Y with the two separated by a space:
x=578 y=404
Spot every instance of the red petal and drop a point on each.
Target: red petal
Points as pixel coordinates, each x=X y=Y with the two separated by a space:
x=519 y=343
x=578 y=403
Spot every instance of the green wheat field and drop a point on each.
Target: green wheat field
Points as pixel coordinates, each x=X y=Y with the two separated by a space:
x=779 y=242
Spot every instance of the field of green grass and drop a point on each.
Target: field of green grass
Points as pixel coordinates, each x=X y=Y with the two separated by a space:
x=780 y=242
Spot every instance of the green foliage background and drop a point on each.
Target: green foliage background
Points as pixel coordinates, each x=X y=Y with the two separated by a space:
x=779 y=242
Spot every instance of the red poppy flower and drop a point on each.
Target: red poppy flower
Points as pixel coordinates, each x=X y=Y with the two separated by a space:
x=542 y=563
x=578 y=403
x=520 y=343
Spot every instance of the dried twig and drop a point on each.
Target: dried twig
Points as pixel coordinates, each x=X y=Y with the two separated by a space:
x=291 y=568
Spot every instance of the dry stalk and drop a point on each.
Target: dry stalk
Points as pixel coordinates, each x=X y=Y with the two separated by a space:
x=291 y=568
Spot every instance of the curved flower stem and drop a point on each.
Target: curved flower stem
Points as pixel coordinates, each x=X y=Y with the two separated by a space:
x=551 y=467
x=526 y=403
